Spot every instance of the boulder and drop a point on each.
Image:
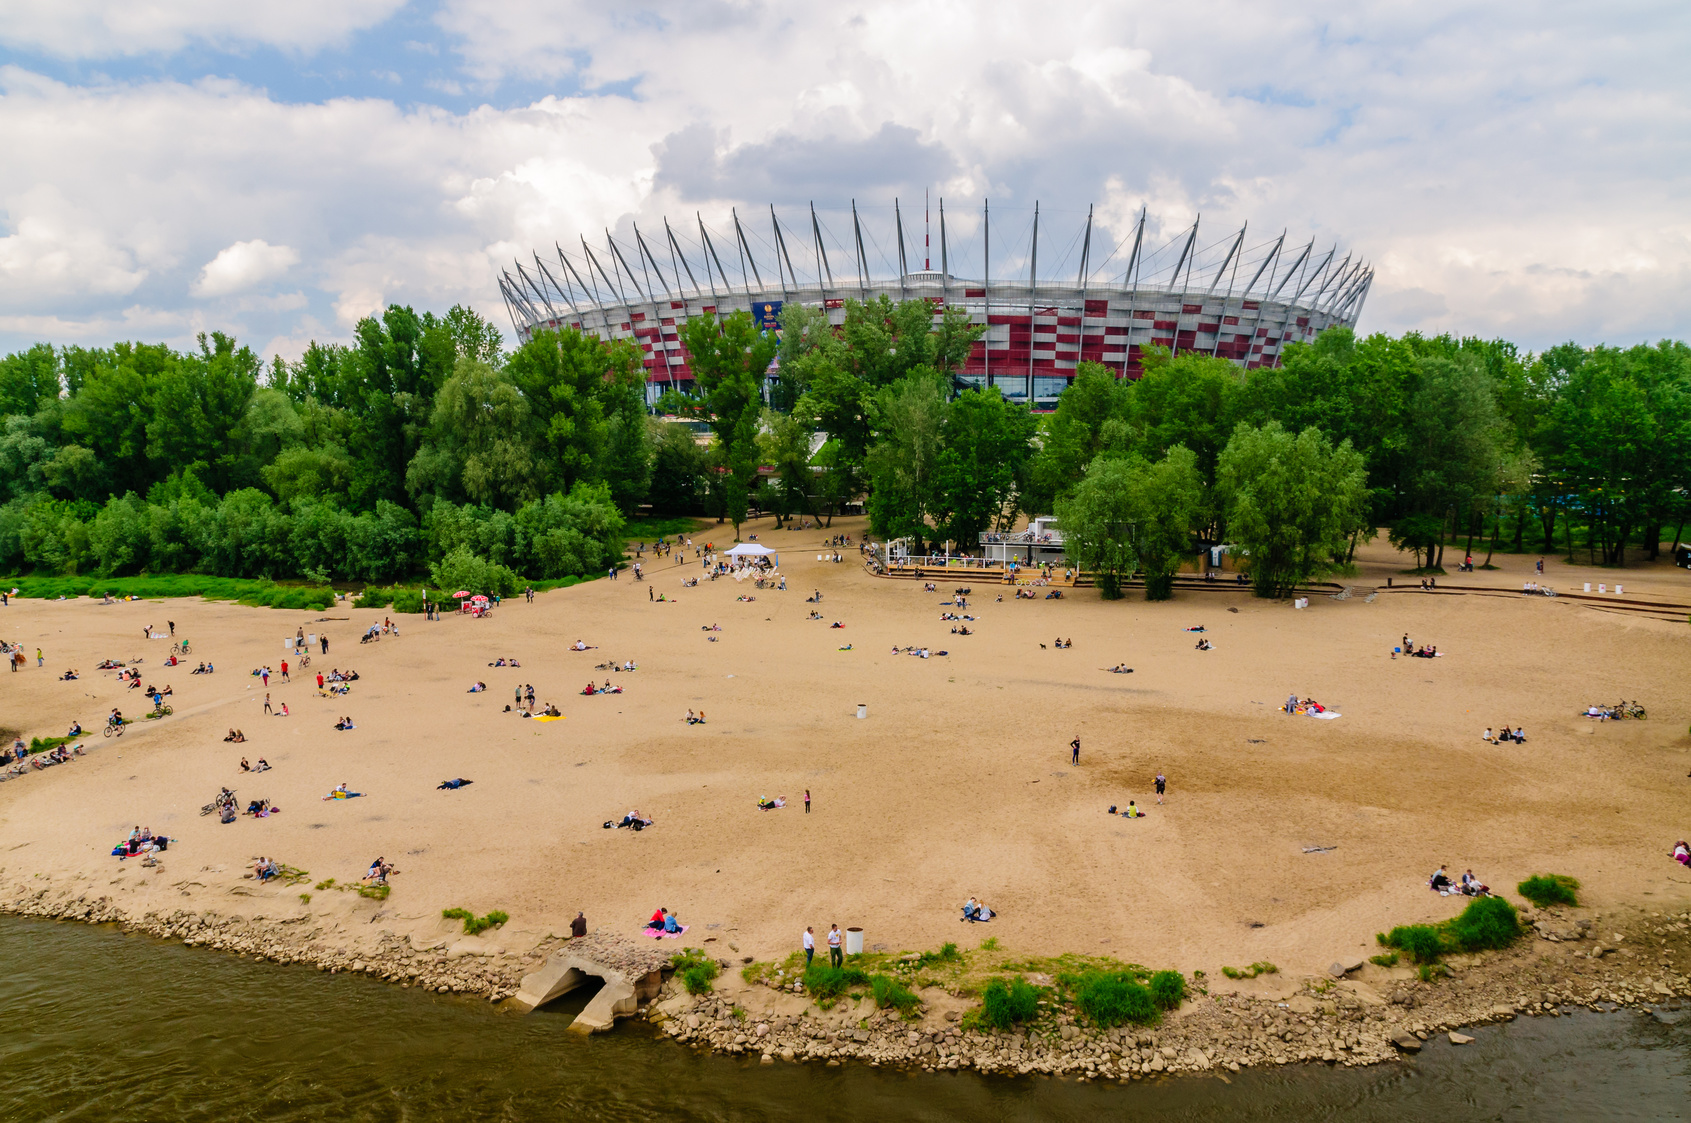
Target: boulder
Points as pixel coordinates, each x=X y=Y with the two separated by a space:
x=1407 y=1042
x=1459 y=1038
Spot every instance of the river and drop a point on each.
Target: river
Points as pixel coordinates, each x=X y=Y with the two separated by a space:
x=99 y=1026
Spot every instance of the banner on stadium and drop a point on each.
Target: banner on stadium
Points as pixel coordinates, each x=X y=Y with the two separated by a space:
x=767 y=315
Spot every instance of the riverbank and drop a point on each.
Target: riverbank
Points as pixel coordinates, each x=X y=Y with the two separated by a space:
x=1356 y=1014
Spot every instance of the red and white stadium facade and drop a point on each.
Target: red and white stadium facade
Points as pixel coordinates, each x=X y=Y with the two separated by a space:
x=1221 y=299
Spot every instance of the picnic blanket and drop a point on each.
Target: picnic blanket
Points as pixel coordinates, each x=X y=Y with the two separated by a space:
x=1326 y=715
x=547 y=717
x=660 y=934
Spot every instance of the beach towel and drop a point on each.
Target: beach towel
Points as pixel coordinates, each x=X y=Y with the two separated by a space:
x=342 y=795
x=1327 y=715
x=660 y=934
x=545 y=717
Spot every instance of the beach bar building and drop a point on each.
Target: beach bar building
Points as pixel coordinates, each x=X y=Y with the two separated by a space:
x=1040 y=544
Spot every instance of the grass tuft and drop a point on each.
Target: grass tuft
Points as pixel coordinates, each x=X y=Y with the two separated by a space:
x=695 y=969
x=1545 y=889
x=475 y=925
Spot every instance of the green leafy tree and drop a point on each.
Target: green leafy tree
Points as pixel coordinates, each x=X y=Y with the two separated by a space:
x=1097 y=520
x=1292 y=502
x=1167 y=501
x=909 y=421
x=1090 y=420
x=729 y=359
x=984 y=448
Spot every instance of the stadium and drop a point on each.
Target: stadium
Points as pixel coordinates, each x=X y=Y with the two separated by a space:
x=1048 y=303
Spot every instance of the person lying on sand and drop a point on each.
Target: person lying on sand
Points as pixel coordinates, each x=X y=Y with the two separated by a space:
x=836 y=624
x=1121 y=669
x=477 y=688
x=1681 y=852
x=452 y=785
x=1197 y=628
x=764 y=803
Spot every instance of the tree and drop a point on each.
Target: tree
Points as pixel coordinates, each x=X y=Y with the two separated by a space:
x=1090 y=420
x=908 y=418
x=1097 y=520
x=678 y=467
x=1292 y=502
x=1167 y=503
x=729 y=359
x=479 y=434
x=984 y=447
x=785 y=443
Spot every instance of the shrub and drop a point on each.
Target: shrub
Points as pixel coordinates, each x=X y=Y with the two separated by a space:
x=373 y=597
x=462 y=569
x=1545 y=889
x=891 y=994
x=990 y=944
x=826 y=983
x=408 y=600
x=1488 y=922
x=695 y=969
x=1168 y=989
x=1389 y=959
x=1005 y=1002
x=1258 y=968
x=1109 y=998
x=1421 y=942
x=47 y=744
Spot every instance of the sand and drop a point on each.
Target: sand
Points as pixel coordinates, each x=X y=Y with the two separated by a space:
x=957 y=783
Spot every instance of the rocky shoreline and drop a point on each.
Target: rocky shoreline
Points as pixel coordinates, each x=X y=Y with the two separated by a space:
x=1356 y=1014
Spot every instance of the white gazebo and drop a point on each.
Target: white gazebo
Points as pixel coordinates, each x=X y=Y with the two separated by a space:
x=754 y=550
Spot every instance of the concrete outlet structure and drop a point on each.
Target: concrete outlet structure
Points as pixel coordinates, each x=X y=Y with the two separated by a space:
x=563 y=972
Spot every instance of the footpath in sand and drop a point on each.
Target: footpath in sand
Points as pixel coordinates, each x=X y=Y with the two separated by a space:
x=958 y=783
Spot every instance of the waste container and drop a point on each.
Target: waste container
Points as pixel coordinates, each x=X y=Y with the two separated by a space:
x=854 y=941
x=863 y=709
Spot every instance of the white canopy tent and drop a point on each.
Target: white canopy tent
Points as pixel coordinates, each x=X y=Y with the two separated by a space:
x=754 y=550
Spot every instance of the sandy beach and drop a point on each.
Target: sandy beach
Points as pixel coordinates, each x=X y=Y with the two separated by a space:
x=958 y=783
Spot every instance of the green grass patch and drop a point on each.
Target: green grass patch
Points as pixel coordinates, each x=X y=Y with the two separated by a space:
x=1388 y=959
x=890 y=994
x=1007 y=1002
x=47 y=744
x=826 y=984
x=1168 y=989
x=1545 y=889
x=650 y=530
x=695 y=969
x=249 y=591
x=1113 y=998
x=475 y=925
x=1251 y=972
x=1487 y=923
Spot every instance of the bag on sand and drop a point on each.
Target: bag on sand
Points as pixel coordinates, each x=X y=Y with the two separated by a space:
x=609 y=824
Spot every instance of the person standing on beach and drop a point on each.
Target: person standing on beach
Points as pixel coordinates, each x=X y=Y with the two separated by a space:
x=1074 y=756
x=809 y=945
x=835 y=955
x=319 y=680
x=39 y=659
x=266 y=677
x=267 y=708
x=807 y=801
x=285 y=671
x=324 y=640
x=1162 y=785
x=1541 y=567
x=172 y=624
x=649 y=594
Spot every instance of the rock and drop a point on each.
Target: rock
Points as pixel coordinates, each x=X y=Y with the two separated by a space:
x=1503 y=1010
x=1301 y=1004
x=1459 y=1038
x=1408 y=1042
x=952 y=1015
x=767 y=1059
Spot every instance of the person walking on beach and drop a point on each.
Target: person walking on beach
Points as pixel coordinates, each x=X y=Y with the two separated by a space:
x=1541 y=567
x=267 y=708
x=835 y=955
x=324 y=640
x=172 y=624
x=649 y=594
x=265 y=674
x=1162 y=785
x=807 y=801
x=39 y=658
x=1074 y=756
x=809 y=945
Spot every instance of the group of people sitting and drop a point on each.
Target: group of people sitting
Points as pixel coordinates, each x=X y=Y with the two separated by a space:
x=961 y=631
x=344 y=723
x=919 y=652
x=664 y=921
x=695 y=719
x=378 y=872
x=1428 y=584
x=549 y=710
x=60 y=754
x=262 y=765
x=260 y=809
x=1534 y=587
x=764 y=803
x=613 y=665
x=954 y=616
x=265 y=868
x=1134 y=811
x=1121 y=669
x=504 y=662
x=976 y=912
x=235 y=736
x=476 y=687
x=141 y=840
x=1296 y=705
x=70 y=676
x=1426 y=651
x=633 y=821
x=1468 y=886
x=1504 y=735
x=202 y=669
x=591 y=690
x=1204 y=644
x=1060 y=643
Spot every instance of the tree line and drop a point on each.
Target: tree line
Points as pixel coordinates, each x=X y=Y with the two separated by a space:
x=423 y=444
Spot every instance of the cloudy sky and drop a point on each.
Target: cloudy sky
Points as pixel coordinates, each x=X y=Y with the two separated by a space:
x=278 y=170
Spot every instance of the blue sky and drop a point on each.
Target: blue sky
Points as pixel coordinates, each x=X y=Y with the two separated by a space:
x=278 y=170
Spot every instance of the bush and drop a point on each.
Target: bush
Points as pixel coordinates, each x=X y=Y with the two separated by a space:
x=1545 y=889
x=1251 y=972
x=408 y=600
x=695 y=969
x=373 y=597
x=1168 y=989
x=1488 y=922
x=1110 y=998
x=462 y=569
x=47 y=744
x=1006 y=1002
x=1421 y=942
x=826 y=983
x=891 y=994
x=1389 y=959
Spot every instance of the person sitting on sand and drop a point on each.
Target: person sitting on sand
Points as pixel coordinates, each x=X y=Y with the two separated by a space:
x=1440 y=881
x=1205 y=645
x=1132 y=811
x=1682 y=852
x=1487 y=736
x=283 y=712
x=971 y=909
x=245 y=767
x=552 y=710
x=1471 y=886
x=658 y=919
x=580 y=645
x=343 y=723
x=672 y=924
x=1519 y=736
x=590 y=689
x=1121 y=669
x=378 y=873
x=75 y=729
x=262 y=765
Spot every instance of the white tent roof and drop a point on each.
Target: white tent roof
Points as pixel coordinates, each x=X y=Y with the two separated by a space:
x=749 y=548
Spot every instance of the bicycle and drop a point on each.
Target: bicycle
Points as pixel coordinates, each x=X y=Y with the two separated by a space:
x=114 y=729
x=1629 y=709
x=304 y=661
x=179 y=648
x=161 y=710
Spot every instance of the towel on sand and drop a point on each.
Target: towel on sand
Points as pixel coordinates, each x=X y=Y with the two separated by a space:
x=547 y=717
x=660 y=934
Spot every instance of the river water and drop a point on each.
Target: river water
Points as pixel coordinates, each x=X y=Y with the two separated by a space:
x=97 y=1026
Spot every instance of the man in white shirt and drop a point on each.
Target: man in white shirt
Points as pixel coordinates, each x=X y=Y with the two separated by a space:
x=835 y=955
x=809 y=945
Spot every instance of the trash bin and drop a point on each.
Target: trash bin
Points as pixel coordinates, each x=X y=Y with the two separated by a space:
x=863 y=709
x=1617 y=590
x=1588 y=586
x=854 y=941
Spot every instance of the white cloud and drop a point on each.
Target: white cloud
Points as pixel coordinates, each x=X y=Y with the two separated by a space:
x=110 y=28
x=243 y=265
x=1506 y=176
